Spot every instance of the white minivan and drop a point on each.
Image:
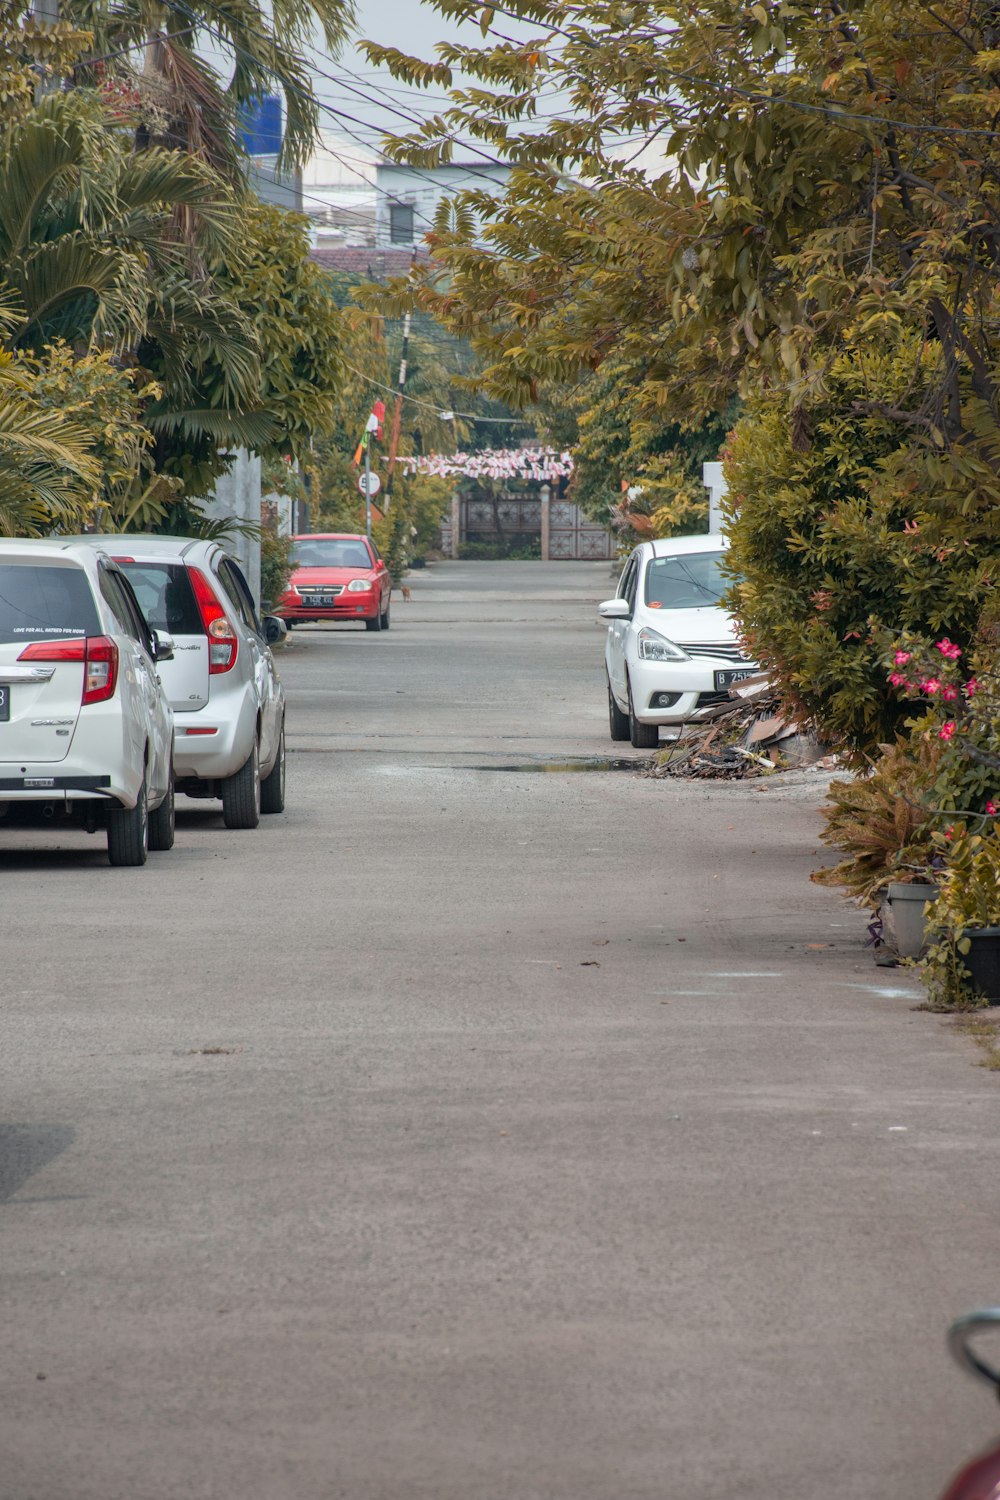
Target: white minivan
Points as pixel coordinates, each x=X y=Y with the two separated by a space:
x=86 y=731
x=671 y=650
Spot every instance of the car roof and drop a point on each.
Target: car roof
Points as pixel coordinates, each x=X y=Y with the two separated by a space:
x=328 y=536
x=674 y=546
x=71 y=548
x=115 y=544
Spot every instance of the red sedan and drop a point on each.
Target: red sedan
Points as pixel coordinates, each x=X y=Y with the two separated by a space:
x=337 y=577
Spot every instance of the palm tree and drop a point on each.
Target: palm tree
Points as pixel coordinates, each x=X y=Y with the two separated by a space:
x=47 y=473
x=180 y=100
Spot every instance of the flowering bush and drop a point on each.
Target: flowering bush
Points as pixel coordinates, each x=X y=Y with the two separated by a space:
x=957 y=699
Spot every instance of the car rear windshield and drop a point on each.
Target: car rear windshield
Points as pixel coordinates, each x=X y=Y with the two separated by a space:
x=45 y=600
x=689 y=581
x=320 y=552
x=165 y=596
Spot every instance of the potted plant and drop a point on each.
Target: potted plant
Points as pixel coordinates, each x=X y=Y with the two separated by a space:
x=881 y=824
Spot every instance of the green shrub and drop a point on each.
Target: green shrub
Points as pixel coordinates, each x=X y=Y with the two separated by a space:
x=838 y=532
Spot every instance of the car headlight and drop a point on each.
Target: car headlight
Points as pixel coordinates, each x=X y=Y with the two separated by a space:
x=358 y=586
x=656 y=647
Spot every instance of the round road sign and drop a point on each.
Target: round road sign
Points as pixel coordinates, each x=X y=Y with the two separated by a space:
x=369 y=484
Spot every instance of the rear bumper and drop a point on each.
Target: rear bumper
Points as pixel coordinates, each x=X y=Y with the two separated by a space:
x=103 y=762
x=213 y=757
x=56 y=789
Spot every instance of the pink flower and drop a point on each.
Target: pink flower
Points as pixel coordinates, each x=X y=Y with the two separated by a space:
x=901 y=658
x=947 y=730
x=949 y=649
x=991 y=808
x=970 y=687
x=898 y=679
x=930 y=686
x=949 y=832
x=949 y=693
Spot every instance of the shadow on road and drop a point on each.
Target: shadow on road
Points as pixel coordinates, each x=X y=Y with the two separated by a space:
x=25 y=1149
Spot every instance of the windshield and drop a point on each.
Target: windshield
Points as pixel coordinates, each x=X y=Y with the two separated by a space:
x=330 y=552
x=165 y=596
x=690 y=581
x=45 y=600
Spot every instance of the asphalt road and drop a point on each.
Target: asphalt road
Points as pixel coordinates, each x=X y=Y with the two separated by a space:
x=477 y=1133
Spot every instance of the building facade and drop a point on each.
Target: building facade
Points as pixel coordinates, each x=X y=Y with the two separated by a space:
x=407 y=198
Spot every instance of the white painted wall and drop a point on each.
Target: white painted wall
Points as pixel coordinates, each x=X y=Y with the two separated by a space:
x=237 y=494
x=424 y=188
x=713 y=480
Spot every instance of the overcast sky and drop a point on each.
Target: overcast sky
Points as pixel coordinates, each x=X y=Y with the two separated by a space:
x=408 y=25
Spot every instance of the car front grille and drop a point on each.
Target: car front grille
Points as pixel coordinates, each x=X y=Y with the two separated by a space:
x=720 y=650
x=709 y=700
x=308 y=592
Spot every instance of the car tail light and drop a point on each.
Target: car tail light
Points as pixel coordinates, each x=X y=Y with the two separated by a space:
x=74 y=650
x=222 y=643
x=101 y=671
x=98 y=654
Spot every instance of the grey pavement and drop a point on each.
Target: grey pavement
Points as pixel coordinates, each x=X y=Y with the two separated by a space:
x=477 y=1133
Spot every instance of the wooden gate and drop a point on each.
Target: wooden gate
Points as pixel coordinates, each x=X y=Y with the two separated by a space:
x=573 y=536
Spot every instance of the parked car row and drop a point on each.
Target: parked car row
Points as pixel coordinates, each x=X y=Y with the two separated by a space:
x=132 y=667
x=671 y=651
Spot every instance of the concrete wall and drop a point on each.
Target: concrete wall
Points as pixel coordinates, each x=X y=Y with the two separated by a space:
x=237 y=494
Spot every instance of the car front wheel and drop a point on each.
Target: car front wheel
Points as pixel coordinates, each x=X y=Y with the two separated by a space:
x=618 y=721
x=272 y=788
x=128 y=832
x=385 y=616
x=375 y=623
x=241 y=794
x=643 y=736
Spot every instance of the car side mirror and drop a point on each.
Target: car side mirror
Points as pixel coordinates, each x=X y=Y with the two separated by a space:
x=615 y=609
x=275 y=629
x=163 y=646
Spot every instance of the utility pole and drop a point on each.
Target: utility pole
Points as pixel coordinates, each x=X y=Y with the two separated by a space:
x=368 y=489
x=397 y=415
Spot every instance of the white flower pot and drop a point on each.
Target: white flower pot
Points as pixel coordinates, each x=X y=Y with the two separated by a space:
x=904 y=916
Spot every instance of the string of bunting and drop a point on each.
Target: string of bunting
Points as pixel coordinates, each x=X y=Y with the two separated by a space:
x=492 y=463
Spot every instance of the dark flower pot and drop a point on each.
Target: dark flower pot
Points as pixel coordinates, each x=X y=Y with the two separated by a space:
x=983 y=961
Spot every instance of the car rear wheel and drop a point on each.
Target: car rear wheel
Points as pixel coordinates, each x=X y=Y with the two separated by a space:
x=375 y=623
x=385 y=616
x=241 y=794
x=643 y=736
x=128 y=832
x=161 y=822
x=618 y=721
x=272 y=788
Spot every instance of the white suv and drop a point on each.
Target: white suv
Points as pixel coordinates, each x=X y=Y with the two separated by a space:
x=228 y=702
x=671 y=650
x=85 y=728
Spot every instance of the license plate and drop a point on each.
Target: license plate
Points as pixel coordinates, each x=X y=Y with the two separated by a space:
x=735 y=674
x=4 y=703
x=323 y=600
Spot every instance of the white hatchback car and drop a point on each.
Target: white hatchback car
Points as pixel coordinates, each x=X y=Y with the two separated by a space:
x=228 y=702
x=671 y=649
x=85 y=727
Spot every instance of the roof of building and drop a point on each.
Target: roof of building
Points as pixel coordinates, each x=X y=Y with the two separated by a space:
x=368 y=260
